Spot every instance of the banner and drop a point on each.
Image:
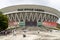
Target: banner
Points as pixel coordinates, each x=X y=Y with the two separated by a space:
x=49 y=24
x=21 y=23
x=12 y=23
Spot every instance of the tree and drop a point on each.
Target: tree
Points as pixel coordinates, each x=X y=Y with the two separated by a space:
x=58 y=26
x=3 y=22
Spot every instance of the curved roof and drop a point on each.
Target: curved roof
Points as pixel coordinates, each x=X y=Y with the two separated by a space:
x=45 y=8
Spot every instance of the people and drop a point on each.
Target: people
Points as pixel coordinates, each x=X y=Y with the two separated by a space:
x=14 y=32
x=24 y=35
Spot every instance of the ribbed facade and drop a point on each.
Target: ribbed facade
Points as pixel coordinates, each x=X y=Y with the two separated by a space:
x=30 y=15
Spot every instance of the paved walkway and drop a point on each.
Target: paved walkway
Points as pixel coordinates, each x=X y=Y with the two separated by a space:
x=31 y=35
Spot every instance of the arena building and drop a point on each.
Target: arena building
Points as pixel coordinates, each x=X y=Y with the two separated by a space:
x=30 y=15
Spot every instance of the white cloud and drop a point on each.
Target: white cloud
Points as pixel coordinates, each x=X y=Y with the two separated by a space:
x=54 y=3
x=51 y=3
x=15 y=2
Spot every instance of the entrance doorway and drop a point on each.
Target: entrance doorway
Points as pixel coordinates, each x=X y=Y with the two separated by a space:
x=30 y=23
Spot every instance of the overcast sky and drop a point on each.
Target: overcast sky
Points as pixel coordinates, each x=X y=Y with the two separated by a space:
x=50 y=3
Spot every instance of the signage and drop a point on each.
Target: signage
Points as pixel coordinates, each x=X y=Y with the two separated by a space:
x=12 y=23
x=49 y=24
